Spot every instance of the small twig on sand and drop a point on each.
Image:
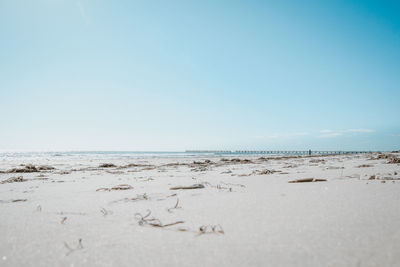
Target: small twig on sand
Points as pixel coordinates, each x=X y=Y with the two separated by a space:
x=105 y=212
x=175 y=207
x=19 y=200
x=70 y=250
x=137 y=198
x=341 y=172
x=63 y=220
x=159 y=224
x=142 y=219
x=147 y=220
x=13 y=200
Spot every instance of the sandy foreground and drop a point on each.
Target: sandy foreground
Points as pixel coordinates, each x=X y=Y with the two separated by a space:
x=236 y=212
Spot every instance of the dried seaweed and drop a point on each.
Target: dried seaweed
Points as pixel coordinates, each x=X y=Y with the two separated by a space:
x=148 y=168
x=220 y=187
x=118 y=187
x=291 y=166
x=137 y=198
x=235 y=161
x=199 y=169
x=30 y=168
x=364 y=166
x=390 y=179
x=393 y=160
x=242 y=161
x=18 y=179
x=105 y=212
x=131 y=165
x=317 y=161
x=151 y=221
x=144 y=179
x=241 y=185
x=27 y=168
x=41 y=177
x=45 y=168
x=140 y=197
x=257 y=172
x=383 y=156
x=264 y=172
x=211 y=229
x=107 y=165
x=206 y=162
x=114 y=172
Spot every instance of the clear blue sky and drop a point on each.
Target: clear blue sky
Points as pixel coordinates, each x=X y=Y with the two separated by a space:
x=176 y=75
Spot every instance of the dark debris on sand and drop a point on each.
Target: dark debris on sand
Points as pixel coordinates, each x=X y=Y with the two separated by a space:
x=195 y=186
x=393 y=160
x=14 y=180
x=107 y=165
x=30 y=168
x=307 y=180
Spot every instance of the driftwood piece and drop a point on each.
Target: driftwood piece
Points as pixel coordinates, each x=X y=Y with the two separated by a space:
x=307 y=180
x=13 y=200
x=195 y=186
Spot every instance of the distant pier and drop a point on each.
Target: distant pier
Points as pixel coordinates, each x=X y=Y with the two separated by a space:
x=278 y=152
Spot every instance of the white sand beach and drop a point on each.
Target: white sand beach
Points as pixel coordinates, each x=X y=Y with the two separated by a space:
x=204 y=211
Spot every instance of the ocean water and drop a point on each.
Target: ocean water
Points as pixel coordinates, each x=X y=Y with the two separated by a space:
x=104 y=155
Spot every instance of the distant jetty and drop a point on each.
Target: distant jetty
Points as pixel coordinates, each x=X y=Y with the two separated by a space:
x=278 y=152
